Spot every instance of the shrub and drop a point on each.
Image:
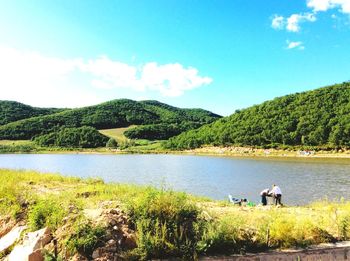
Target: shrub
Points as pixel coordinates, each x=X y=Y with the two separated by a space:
x=112 y=143
x=344 y=227
x=86 y=239
x=220 y=236
x=167 y=224
x=47 y=212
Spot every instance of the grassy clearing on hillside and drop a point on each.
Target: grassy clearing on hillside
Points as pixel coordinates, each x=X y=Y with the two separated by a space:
x=131 y=145
x=117 y=133
x=16 y=142
x=167 y=223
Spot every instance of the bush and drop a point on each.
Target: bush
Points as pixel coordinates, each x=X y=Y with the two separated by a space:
x=86 y=239
x=83 y=137
x=230 y=235
x=167 y=224
x=112 y=143
x=47 y=212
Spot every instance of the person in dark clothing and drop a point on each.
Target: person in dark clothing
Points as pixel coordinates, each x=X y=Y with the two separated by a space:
x=264 y=194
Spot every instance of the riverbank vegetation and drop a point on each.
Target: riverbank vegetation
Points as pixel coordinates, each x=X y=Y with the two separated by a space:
x=318 y=118
x=87 y=215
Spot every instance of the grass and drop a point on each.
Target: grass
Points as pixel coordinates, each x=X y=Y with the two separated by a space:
x=167 y=223
x=139 y=145
x=117 y=133
x=15 y=142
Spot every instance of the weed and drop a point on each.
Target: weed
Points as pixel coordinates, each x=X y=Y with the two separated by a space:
x=86 y=239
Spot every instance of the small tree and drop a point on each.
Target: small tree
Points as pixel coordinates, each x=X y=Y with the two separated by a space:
x=112 y=143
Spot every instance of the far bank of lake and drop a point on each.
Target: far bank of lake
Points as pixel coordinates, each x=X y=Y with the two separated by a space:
x=302 y=180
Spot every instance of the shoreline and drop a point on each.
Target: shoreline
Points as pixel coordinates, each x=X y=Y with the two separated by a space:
x=236 y=152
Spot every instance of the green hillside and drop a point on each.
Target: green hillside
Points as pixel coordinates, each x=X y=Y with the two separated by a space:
x=112 y=114
x=11 y=111
x=314 y=118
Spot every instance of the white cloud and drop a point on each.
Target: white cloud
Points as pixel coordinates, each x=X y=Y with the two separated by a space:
x=278 y=22
x=171 y=79
x=324 y=5
x=295 y=45
x=292 y=23
x=295 y=19
x=48 y=81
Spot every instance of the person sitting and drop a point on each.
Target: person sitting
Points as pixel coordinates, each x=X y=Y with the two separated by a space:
x=277 y=194
x=265 y=193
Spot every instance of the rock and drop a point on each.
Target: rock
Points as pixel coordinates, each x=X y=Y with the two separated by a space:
x=130 y=241
x=111 y=242
x=78 y=257
x=114 y=211
x=6 y=224
x=11 y=237
x=30 y=249
x=112 y=222
x=96 y=253
x=36 y=256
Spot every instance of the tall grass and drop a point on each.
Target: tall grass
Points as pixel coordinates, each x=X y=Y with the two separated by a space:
x=167 y=224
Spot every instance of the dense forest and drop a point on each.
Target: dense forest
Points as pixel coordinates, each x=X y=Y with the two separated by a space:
x=314 y=118
x=112 y=114
x=83 y=137
x=11 y=111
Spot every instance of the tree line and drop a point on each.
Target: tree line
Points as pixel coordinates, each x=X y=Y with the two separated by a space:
x=112 y=114
x=314 y=118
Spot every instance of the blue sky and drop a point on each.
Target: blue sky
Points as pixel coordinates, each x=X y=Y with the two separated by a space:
x=218 y=55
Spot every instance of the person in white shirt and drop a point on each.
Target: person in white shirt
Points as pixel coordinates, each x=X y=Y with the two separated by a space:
x=265 y=193
x=277 y=194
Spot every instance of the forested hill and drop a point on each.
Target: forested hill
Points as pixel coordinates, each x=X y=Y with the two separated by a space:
x=11 y=111
x=112 y=114
x=317 y=118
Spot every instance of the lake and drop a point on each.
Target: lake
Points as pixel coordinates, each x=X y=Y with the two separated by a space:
x=301 y=180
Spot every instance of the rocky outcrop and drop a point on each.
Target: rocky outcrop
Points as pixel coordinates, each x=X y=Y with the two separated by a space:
x=119 y=236
x=31 y=247
x=10 y=238
x=6 y=224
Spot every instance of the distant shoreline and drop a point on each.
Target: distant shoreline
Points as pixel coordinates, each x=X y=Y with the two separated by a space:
x=239 y=152
x=268 y=153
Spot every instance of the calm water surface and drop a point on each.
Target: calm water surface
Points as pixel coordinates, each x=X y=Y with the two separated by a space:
x=301 y=181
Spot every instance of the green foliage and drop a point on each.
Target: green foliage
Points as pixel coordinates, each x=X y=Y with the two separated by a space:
x=125 y=144
x=167 y=224
x=46 y=213
x=344 y=227
x=83 y=137
x=231 y=235
x=25 y=148
x=51 y=257
x=112 y=114
x=315 y=118
x=112 y=143
x=85 y=239
x=219 y=237
x=11 y=111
